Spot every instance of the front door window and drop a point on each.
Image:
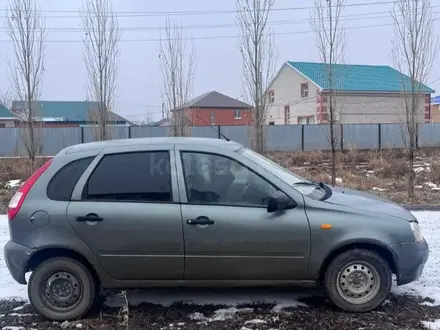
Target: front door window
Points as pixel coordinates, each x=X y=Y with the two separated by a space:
x=215 y=179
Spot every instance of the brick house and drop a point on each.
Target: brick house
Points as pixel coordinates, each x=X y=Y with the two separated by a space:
x=363 y=94
x=214 y=108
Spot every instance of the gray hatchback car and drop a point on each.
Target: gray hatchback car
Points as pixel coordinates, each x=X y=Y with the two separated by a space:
x=168 y=212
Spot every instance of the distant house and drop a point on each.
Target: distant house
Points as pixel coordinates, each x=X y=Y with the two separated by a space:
x=364 y=94
x=162 y=122
x=214 y=108
x=7 y=118
x=65 y=113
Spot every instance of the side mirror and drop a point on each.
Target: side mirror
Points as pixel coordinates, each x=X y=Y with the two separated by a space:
x=280 y=201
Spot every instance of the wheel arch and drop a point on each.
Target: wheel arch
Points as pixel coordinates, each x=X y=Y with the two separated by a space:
x=373 y=246
x=54 y=252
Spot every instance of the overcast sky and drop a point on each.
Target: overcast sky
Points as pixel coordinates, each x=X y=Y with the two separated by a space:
x=368 y=28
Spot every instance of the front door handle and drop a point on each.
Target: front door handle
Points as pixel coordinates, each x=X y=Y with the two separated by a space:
x=201 y=221
x=92 y=217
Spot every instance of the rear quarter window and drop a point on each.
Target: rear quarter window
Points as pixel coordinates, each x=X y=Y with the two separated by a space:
x=61 y=185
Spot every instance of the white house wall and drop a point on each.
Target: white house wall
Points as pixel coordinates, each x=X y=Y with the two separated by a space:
x=368 y=108
x=287 y=88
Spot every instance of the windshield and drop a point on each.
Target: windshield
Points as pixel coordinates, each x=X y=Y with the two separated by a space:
x=281 y=172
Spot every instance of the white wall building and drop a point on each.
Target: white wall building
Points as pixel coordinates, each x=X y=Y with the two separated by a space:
x=362 y=94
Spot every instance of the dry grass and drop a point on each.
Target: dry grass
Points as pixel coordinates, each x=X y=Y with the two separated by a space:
x=18 y=168
x=380 y=172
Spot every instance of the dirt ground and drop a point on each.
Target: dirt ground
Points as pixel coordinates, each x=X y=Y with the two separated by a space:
x=379 y=172
x=398 y=312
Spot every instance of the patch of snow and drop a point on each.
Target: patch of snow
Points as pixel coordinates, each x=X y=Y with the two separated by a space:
x=228 y=313
x=255 y=321
x=379 y=189
x=13 y=328
x=419 y=169
x=293 y=304
x=196 y=316
x=19 y=308
x=431 y=184
x=338 y=180
x=13 y=184
x=427 y=286
x=9 y=289
x=431 y=325
x=418 y=187
x=19 y=315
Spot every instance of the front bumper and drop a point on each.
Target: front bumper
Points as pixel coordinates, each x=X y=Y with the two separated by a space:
x=17 y=257
x=410 y=260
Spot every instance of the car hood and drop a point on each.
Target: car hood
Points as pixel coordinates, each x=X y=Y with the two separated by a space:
x=368 y=203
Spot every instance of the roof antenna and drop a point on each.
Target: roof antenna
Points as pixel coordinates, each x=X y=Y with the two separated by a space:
x=215 y=129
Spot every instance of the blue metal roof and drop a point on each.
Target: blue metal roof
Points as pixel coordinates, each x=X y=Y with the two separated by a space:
x=348 y=77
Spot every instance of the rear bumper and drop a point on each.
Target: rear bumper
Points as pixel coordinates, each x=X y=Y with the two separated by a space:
x=17 y=257
x=411 y=260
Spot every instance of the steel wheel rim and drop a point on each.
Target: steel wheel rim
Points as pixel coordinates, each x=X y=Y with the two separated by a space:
x=61 y=291
x=358 y=283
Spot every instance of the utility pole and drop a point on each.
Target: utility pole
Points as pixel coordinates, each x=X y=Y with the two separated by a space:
x=163 y=110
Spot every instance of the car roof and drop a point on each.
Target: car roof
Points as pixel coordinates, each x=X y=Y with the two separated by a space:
x=217 y=143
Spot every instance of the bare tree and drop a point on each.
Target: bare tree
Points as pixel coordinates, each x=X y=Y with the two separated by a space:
x=101 y=55
x=26 y=29
x=6 y=99
x=414 y=50
x=331 y=43
x=178 y=64
x=259 y=55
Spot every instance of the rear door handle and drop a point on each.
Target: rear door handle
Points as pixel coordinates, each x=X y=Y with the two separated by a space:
x=92 y=217
x=201 y=221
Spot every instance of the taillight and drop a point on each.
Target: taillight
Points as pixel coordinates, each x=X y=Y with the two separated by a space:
x=18 y=198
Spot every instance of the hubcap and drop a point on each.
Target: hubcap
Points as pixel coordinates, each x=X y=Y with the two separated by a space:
x=358 y=283
x=61 y=290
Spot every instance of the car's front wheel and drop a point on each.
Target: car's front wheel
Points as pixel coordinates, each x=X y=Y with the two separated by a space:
x=62 y=289
x=358 y=280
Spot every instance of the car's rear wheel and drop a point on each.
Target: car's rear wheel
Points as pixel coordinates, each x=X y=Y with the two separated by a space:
x=358 y=280
x=62 y=289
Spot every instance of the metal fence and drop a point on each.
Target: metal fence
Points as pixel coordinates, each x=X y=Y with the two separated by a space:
x=279 y=138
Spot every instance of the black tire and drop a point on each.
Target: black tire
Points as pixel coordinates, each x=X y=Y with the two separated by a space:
x=364 y=266
x=82 y=289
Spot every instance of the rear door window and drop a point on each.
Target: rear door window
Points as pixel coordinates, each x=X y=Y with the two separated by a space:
x=131 y=177
x=61 y=186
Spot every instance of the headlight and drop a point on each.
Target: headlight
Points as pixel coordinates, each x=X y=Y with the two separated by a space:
x=416 y=231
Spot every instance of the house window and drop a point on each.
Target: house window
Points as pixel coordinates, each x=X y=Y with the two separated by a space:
x=286 y=115
x=271 y=96
x=306 y=120
x=237 y=114
x=271 y=123
x=305 y=90
x=212 y=118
